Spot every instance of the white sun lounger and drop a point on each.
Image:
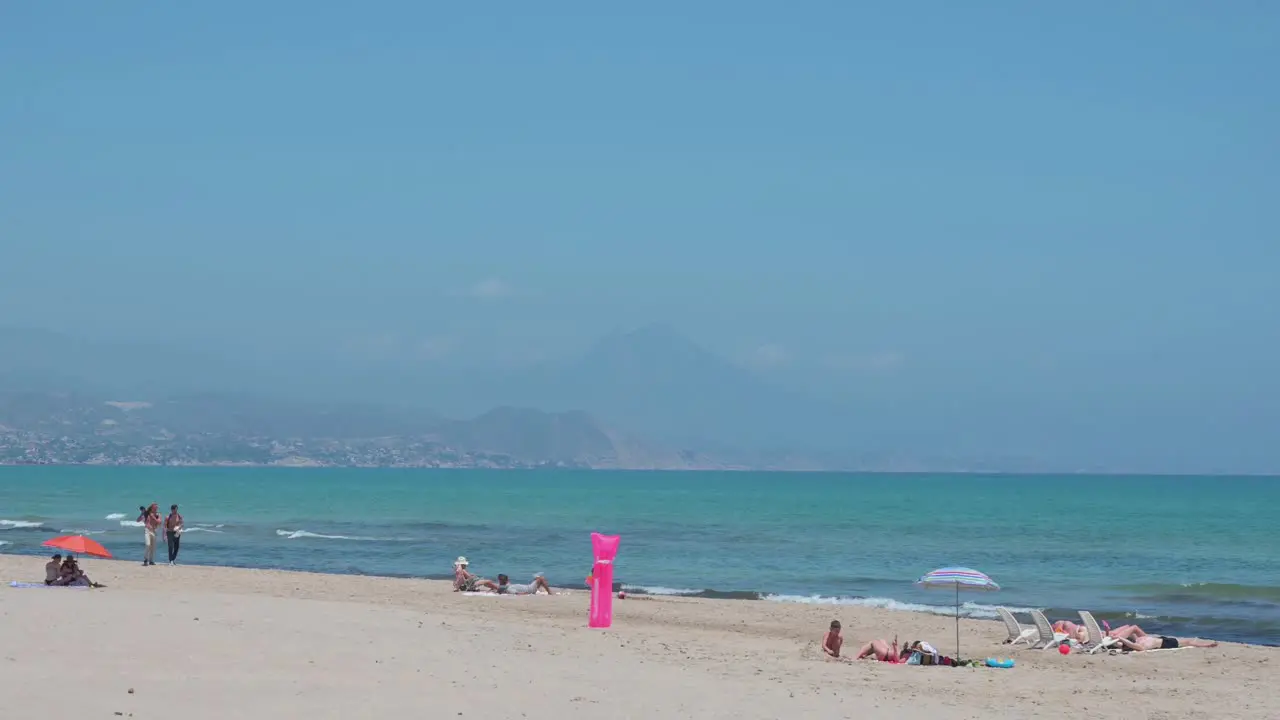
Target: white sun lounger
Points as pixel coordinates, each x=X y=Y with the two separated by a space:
x=1098 y=640
x=1018 y=633
x=1047 y=637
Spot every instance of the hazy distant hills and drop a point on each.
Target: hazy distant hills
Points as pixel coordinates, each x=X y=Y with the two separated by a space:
x=648 y=398
x=653 y=394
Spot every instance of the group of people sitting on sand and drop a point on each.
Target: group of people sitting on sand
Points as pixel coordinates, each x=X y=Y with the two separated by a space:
x=66 y=572
x=1130 y=637
x=466 y=581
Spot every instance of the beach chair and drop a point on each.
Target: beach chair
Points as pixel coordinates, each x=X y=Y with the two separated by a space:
x=1017 y=632
x=1047 y=637
x=1098 y=640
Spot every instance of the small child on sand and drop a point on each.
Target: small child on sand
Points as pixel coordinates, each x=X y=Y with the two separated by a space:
x=832 y=641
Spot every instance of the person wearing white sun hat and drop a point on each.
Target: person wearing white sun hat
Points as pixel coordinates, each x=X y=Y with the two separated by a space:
x=465 y=581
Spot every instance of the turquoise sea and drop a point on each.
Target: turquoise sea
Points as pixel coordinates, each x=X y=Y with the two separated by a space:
x=1186 y=555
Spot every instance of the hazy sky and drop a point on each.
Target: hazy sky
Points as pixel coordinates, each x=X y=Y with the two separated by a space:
x=1060 y=201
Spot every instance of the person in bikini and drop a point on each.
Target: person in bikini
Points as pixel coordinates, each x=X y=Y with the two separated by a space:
x=1163 y=642
x=150 y=519
x=506 y=587
x=881 y=650
x=833 y=640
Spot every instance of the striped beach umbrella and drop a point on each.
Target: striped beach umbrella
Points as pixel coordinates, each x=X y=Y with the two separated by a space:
x=960 y=578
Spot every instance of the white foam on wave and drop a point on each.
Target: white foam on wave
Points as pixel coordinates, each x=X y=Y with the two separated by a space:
x=5 y=542
x=17 y=524
x=116 y=516
x=201 y=529
x=81 y=531
x=208 y=525
x=659 y=590
x=298 y=534
x=130 y=523
x=968 y=609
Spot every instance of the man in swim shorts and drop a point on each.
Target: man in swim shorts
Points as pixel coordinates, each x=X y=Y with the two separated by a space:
x=1163 y=642
x=506 y=587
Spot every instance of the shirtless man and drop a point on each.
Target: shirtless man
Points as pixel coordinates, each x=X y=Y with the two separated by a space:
x=1163 y=642
x=173 y=533
x=53 y=570
x=832 y=641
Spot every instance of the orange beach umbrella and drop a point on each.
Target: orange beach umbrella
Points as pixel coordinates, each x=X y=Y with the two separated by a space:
x=79 y=545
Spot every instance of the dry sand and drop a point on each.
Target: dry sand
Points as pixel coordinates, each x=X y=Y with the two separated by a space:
x=191 y=643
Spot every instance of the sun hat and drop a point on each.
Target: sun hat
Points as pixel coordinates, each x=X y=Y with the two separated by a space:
x=462 y=560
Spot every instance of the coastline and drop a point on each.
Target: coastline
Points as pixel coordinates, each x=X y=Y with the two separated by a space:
x=259 y=643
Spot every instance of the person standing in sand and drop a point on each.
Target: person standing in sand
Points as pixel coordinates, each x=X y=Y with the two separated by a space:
x=150 y=520
x=173 y=533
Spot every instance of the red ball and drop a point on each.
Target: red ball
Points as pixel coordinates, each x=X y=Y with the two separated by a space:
x=1064 y=648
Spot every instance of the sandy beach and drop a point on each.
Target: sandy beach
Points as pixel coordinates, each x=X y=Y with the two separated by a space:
x=207 y=642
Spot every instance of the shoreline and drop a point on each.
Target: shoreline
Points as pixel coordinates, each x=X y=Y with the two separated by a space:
x=835 y=606
x=259 y=643
x=736 y=469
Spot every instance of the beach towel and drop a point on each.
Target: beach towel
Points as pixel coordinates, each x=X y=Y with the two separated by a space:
x=16 y=584
x=501 y=595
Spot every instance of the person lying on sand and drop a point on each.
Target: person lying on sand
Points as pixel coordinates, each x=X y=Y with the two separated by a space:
x=1127 y=632
x=832 y=641
x=464 y=581
x=881 y=650
x=506 y=587
x=1163 y=642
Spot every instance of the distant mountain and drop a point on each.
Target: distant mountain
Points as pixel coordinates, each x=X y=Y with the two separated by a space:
x=241 y=428
x=658 y=383
x=533 y=435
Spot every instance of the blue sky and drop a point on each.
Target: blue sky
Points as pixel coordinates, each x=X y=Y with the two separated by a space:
x=994 y=199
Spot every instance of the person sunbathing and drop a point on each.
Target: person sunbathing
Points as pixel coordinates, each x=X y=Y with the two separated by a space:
x=464 y=581
x=506 y=587
x=1073 y=631
x=881 y=650
x=1163 y=642
x=1126 y=632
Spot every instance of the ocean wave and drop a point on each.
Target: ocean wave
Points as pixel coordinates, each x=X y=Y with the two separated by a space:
x=300 y=534
x=81 y=531
x=5 y=542
x=201 y=529
x=130 y=523
x=20 y=525
x=967 y=609
x=659 y=590
x=116 y=516
x=1201 y=591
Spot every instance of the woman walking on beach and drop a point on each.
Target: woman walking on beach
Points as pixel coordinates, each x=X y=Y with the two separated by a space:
x=173 y=533
x=150 y=520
